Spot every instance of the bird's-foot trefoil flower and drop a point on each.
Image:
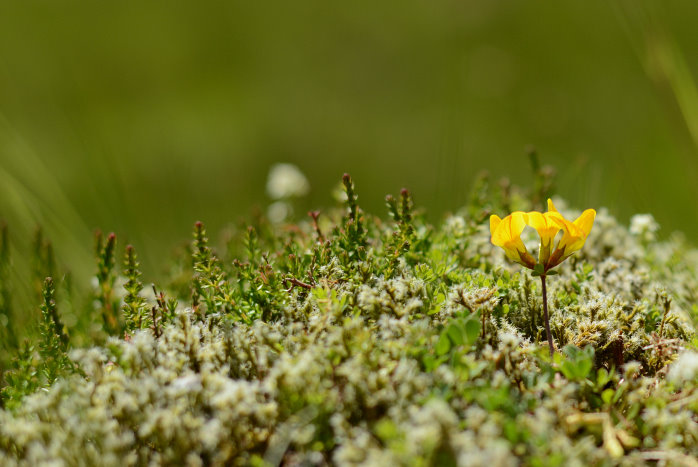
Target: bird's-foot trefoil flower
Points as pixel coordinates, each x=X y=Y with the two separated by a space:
x=506 y=233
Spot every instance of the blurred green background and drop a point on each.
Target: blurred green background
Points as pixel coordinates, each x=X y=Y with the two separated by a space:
x=143 y=117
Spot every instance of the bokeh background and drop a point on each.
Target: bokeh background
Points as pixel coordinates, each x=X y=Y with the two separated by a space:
x=143 y=117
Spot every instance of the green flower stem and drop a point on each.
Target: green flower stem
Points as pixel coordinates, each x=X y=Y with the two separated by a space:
x=545 y=314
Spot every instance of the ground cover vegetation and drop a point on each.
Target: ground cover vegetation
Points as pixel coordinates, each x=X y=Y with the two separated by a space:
x=348 y=338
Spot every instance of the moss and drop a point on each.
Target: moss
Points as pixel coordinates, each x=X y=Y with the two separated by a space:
x=347 y=339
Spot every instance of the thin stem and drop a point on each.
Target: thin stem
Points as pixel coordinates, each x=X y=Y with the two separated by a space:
x=666 y=301
x=545 y=314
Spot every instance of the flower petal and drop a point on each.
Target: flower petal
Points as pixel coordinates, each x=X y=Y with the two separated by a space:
x=586 y=221
x=547 y=228
x=518 y=223
x=506 y=233
x=494 y=222
x=544 y=224
x=509 y=229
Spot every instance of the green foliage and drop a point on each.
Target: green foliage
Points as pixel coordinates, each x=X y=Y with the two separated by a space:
x=54 y=340
x=105 y=295
x=22 y=378
x=578 y=364
x=349 y=340
x=135 y=308
x=352 y=237
x=34 y=368
x=209 y=283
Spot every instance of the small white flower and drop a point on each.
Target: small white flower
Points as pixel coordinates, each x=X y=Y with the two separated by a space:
x=684 y=369
x=644 y=226
x=279 y=211
x=186 y=384
x=286 y=181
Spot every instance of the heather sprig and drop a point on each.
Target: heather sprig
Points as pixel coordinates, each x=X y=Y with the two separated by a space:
x=106 y=298
x=135 y=308
x=210 y=283
x=53 y=344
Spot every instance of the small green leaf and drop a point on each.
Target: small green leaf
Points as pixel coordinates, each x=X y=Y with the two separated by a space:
x=429 y=362
x=568 y=370
x=472 y=331
x=602 y=377
x=607 y=396
x=455 y=333
x=583 y=368
x=443 y=345
x=578 y=364
x=617 y=395
x=386 y=429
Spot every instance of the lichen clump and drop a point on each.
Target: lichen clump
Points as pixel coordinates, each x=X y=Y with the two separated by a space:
x=347 y=340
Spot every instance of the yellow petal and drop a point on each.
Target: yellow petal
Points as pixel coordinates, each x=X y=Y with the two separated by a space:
x=506 y=233
x=586 y=221
x=547 y=229
x=518 y=223
x=494 y=222
x=561 y=222
x=536 y=220
x=544 y=224
x=574 y=233
x=509 y=229
x=572 y=240
x=516 y=251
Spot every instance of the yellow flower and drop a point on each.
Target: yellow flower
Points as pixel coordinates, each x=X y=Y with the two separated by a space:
x=574 y=233
x=506 y=233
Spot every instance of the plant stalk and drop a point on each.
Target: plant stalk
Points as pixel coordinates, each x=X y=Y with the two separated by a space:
x=545 y=314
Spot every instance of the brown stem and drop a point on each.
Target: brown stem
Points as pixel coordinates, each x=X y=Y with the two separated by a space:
x=315 y=215
x=296 y=283
x=545 y=314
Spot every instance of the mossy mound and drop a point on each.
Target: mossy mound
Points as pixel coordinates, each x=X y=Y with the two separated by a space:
x=349 y=340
